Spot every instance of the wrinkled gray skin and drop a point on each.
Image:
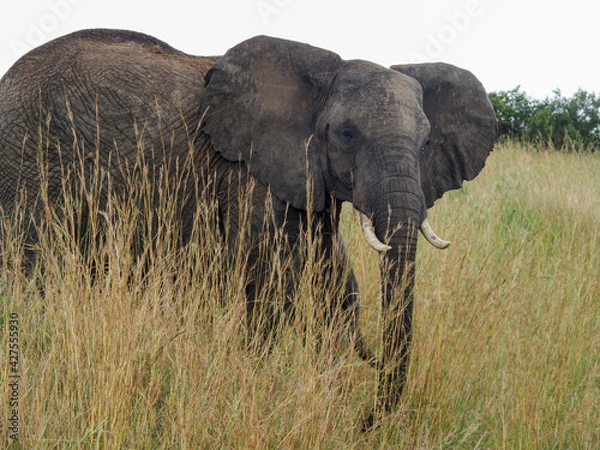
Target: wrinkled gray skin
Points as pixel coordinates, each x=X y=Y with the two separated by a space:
x=390 y=141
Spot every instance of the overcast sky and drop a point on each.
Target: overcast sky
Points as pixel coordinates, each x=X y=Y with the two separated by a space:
x=540 y=45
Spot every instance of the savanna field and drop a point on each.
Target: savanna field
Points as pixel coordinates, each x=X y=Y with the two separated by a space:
x=153 y=354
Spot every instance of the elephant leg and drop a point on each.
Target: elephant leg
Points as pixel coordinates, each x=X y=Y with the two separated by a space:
x=263 y=316
x=269 y=291
x=261 y=320
x=350 y=304
x=352 y=322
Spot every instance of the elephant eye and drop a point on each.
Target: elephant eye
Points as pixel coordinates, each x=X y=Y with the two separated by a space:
x=348 y=134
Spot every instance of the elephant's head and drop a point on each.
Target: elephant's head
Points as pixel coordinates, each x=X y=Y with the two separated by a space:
x=389 y=141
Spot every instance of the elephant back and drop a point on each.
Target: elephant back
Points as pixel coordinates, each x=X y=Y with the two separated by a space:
x=96 y=95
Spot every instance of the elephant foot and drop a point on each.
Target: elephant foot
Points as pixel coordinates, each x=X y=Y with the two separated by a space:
x=372 y=421
x=366 y=354
x=368 y=423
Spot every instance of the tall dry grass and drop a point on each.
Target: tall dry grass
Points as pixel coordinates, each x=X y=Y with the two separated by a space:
x=151 y=352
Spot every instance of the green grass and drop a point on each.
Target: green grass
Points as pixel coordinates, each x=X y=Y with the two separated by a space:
x=506 y=349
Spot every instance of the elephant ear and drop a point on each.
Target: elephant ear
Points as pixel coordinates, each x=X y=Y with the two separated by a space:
x=260 y=105
x=463 y=126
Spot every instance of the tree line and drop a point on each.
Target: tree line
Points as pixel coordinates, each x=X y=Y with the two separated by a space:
x=567 y=123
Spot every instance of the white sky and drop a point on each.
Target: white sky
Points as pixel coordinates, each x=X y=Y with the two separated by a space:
x=540 y=45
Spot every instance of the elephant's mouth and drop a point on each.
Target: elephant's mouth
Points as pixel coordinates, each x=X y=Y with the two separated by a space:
x=376 y=244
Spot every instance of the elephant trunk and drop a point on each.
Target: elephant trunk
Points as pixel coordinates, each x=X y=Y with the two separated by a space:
x=398 y=213
x=398 y=281
x=395 y=202
x=397 y=271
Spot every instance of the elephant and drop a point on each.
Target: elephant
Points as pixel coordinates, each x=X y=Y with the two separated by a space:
x=307 y=128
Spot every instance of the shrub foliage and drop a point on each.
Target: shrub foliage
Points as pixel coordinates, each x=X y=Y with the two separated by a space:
x=562 y=122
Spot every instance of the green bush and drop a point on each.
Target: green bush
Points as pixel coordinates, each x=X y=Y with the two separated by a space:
x=568 y=123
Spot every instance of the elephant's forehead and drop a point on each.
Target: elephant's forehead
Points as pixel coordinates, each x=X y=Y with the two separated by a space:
x=369 y=83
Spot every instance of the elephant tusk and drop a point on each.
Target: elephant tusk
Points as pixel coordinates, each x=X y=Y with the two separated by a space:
x=369 y=233
x=376 y=244
x=431 y=237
